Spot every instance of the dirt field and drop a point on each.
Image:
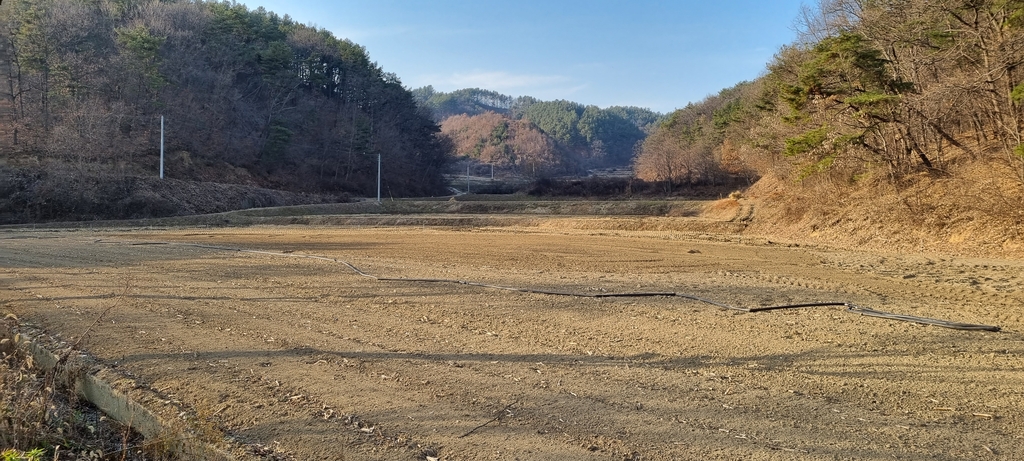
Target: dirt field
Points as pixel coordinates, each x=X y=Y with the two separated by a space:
x=303 y=358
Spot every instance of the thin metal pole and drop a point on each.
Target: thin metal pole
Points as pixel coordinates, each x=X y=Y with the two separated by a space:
x=161 y=147
x=467 y=178
x=378 y=178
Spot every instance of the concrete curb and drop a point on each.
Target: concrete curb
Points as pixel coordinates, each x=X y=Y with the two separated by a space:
x=115 y=403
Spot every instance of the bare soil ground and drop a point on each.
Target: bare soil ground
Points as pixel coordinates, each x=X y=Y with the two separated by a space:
x=306 y=359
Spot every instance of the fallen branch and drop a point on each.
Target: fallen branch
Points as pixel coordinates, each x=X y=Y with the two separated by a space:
x=507 y=410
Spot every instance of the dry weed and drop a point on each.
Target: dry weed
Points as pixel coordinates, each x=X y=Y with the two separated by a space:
x=41 y=417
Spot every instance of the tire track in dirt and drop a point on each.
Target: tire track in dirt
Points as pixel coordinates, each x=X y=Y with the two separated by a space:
x=265 y=347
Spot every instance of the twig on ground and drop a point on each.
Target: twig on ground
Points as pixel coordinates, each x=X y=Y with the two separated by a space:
x=501 y=415
x=117 y=301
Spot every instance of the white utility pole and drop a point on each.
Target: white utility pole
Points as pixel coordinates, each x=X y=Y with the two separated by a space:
x=161 y=147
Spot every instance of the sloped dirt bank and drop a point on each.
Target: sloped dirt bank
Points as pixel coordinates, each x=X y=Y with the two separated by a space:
x=968 y=215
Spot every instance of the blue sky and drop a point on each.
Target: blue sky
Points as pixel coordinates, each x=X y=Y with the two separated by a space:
x=647 y=53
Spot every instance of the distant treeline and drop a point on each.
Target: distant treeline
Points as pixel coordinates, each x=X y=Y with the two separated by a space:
x=248 y=97
x=537 y=138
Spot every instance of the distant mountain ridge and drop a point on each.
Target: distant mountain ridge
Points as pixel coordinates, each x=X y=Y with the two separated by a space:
x=537 y=137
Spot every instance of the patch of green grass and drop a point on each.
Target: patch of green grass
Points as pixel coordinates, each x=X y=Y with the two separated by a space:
x=15 y=455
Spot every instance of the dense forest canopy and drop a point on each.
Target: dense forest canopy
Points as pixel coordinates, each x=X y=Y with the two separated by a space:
x=577 y=137
x=247 y=96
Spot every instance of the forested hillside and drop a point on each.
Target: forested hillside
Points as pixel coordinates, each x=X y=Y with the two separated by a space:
x=537 y=138
x=248 y=97
x=888 y=119
x=508 y=144
x=470 y=101
x=695 y=144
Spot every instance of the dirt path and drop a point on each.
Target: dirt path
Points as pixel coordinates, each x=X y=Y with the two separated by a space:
x=314 y=361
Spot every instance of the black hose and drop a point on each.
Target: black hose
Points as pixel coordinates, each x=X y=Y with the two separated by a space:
x=849 y=306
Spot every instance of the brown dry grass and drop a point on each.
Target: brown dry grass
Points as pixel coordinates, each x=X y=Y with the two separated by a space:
x=39 y=412
x=724 y=210
x=975 y=210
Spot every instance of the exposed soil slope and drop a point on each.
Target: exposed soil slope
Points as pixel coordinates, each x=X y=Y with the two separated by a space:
x=971 y=213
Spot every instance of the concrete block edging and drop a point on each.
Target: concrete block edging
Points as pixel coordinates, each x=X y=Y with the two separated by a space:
x=95 y=387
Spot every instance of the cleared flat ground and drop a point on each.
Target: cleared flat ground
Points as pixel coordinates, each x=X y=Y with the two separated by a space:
x=304 y=358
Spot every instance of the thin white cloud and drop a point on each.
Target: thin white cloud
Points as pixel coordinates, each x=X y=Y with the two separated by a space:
x=356 y=34
x=558 y=92
x=503 y=81
x=410 y=32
